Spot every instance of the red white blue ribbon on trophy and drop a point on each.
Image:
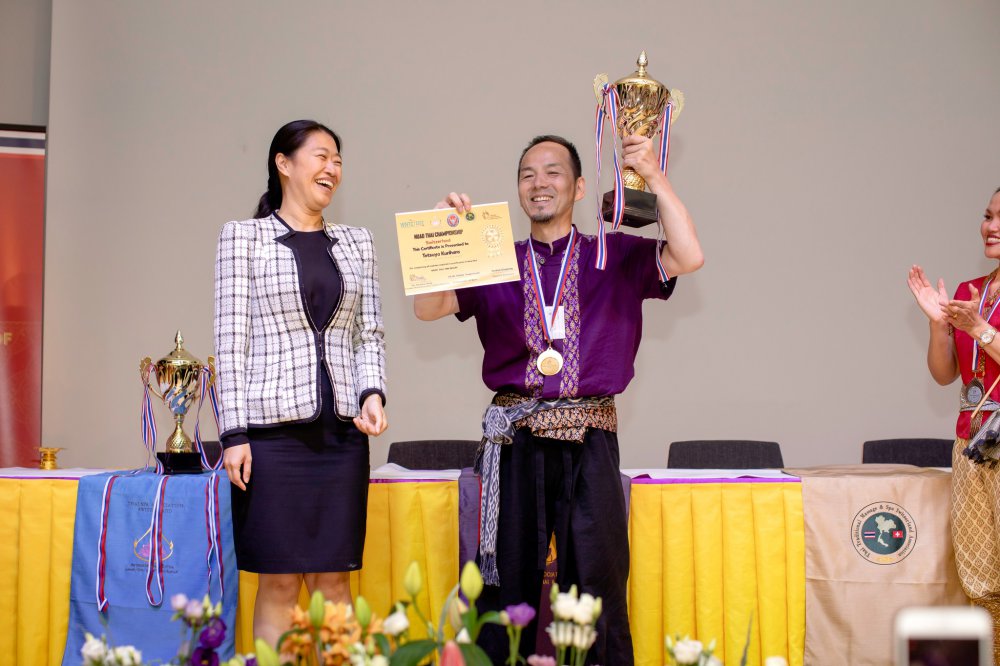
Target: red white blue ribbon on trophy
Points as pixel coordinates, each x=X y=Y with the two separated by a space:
x=665 y=121
x=148 y=424
x=607 y=107
x=206 y=386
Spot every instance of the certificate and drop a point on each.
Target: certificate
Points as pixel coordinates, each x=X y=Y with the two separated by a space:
x=444 y=249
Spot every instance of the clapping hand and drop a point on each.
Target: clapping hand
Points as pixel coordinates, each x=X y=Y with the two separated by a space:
x=934 y=302
x=964 y=315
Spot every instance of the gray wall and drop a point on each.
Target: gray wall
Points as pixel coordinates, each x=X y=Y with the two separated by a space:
x=25 y=27
x=824 y=148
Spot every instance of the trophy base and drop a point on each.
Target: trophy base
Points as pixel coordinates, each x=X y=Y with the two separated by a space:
x=640 y=208
x=180 y=463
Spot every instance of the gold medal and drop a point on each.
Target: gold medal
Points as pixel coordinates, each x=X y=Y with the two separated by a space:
x=550 y=362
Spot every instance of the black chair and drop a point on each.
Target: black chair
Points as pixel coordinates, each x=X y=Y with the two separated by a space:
x=920 y=451
x=434 y=453
x=724 y=454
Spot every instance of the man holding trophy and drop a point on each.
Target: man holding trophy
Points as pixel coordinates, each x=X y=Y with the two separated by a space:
x=559 y=344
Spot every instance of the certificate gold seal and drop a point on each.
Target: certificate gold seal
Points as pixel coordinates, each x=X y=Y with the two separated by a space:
x=550 y=362
x=493 y=239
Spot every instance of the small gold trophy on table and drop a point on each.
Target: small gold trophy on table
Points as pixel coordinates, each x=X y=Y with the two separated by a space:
x=177 y=380
x=642 y=105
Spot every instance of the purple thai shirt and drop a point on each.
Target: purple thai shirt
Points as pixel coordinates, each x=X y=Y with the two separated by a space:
x=603 y=315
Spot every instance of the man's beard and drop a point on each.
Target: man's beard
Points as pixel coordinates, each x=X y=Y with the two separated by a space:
x=542 y=218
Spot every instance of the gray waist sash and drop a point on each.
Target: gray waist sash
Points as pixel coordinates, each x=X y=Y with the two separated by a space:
x=498 y=430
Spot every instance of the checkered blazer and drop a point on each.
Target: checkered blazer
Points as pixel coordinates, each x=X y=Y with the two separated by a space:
x=266 y=349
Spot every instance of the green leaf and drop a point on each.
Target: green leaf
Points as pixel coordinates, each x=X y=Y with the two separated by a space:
x=746 y=647
x=412 y=653
x=383 y=644
x=474 y=655
x=489 y=617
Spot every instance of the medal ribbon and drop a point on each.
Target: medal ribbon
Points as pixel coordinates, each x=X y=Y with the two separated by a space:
x=102 y=540
x=154 y=569
x=536 y=283
x=982 y=304
x=213 y=532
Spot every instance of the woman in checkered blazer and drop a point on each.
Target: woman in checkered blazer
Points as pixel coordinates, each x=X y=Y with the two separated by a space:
x=301 y=361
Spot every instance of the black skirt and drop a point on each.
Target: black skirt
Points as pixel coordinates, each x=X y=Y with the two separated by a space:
x=306 y=505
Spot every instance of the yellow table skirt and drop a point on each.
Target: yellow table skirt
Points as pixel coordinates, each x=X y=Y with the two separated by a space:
x=704 y=556
x=36 y=559
x=708 y=557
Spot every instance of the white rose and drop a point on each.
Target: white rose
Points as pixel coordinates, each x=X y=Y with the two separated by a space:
x=93 y=651
x=396 y=623
x=463 y=637
x=584 y=611
x=560 y=633
x=564 y=606
x=775 y=661
x=714 y=661
x=178 y=602
x=128 y=656
x=687 y=652
x=583 y=637
x=379 y=660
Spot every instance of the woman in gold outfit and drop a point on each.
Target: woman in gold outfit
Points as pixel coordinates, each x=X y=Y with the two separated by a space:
x=964 y=342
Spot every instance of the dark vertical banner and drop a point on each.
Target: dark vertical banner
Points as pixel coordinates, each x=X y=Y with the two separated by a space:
x=22 y=226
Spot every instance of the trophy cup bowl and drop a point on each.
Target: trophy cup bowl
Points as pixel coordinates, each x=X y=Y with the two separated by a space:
x=175 y=379
x=641 y=101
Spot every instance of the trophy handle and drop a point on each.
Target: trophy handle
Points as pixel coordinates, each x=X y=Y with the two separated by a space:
x=212 y=374
x=144 y=370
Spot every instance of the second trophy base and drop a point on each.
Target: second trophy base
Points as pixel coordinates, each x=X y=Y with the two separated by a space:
x=640 y=208
x=180 y=463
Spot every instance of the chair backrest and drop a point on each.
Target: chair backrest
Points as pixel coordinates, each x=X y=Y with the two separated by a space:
x=724 y=454
x=920 y=451
x=434 y=453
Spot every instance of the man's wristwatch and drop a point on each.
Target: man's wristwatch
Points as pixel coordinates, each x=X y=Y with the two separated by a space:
x=986 y=337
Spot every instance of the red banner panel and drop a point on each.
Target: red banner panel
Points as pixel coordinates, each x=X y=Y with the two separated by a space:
x=22 y=223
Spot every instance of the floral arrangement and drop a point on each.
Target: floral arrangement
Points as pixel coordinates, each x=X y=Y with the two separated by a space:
x=203 y=632
x=684 y=651
x=339 y=634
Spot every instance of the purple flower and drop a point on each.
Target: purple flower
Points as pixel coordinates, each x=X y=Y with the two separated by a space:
x=537 y=660
x=204 y=657
x=521 y=615
x=251 y=661
x=213 y=634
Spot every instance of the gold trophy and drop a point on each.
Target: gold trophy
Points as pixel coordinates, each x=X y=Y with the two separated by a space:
x=47 y=459
x=177 y=380
x=641 y=101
